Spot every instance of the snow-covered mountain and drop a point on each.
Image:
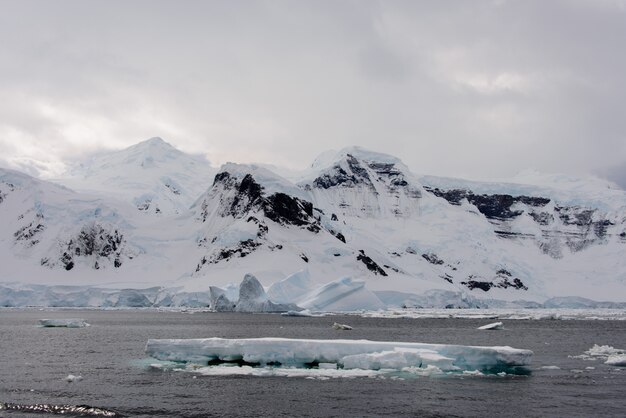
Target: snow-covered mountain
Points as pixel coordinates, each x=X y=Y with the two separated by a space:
x=152 y=175
x=357 y=230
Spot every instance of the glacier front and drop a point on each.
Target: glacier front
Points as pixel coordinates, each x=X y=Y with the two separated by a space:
x=345 y=354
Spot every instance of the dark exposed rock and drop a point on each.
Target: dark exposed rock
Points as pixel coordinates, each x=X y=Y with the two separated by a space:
x=285 y=209
x=304 y=257
x=432 y=258
x=172 y=188
x=94 y=240
x=542 y=218
x=26 y=233
x=475 y=284
x=370 y=264
x=495 y=206
x=278 y=207
x=337 y=176
x=574 y=215
x=338 y=235
x=333 y=217
x=501 y=281
x=411 y=250
x=447 y=278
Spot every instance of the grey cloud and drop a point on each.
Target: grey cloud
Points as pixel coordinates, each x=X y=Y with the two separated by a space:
x=454 y=88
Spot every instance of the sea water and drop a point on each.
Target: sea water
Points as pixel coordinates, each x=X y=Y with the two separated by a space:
x=116 y=376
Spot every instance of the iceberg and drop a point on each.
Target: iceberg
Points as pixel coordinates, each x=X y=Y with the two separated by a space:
x=341 y=295
x=302 y=353
x=252 y=298
x=616 y=360
x=494 y=326
x=292 y=288
x=65 y=323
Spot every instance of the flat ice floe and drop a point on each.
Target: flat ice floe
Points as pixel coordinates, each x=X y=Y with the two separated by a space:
x=282 y=355
x=65 y=323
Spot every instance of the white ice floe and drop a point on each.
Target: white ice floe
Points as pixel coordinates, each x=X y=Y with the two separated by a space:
x=611 y=356
x=343 y=327
x=73 y=378
x=616 y=360
x=346 y=354
x=65 y=323
x=493 y=326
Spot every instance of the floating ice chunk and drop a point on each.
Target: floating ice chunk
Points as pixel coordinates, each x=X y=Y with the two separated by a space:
x=66 y=323
x=550 y=367
x=603 y=351
x=494 y=326
x=339 y=326
x=301 y=352
x=73 y=378
x=616 y=360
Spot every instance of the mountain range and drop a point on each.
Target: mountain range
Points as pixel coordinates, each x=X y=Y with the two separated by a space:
x=151 y=225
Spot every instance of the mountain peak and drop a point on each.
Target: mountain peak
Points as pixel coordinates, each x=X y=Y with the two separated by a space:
x=329 y=158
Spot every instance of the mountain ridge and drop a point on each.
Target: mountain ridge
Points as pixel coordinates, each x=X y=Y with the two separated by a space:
x=355 y=214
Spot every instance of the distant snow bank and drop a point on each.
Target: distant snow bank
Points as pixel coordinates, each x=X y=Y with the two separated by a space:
x=343 y=354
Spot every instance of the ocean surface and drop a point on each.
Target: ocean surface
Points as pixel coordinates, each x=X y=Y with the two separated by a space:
x=109 y=356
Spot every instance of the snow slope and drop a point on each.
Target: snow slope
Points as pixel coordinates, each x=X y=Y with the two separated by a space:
x=153 y=175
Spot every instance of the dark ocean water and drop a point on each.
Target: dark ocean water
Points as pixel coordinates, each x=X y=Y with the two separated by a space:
x=34 y=363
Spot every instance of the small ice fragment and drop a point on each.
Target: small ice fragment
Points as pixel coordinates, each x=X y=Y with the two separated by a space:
x=65 y=323
x=551 y=367
x=616 y=360
x=493 y=326
x=339 y=326
x=72 y=378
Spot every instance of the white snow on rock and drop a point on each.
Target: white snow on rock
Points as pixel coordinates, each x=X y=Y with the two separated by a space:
x=493 y=326
x=302 y=352
x=63 y=323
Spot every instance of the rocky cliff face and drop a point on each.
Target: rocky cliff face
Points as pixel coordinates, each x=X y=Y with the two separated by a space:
x=554 y=227
x=358 y=183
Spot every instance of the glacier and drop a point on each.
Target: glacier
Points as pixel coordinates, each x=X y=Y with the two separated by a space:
x=345 y=354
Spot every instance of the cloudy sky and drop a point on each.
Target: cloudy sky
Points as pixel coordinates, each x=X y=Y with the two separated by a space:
x=478 y=89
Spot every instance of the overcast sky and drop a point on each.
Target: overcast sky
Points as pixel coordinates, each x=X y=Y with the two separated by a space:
x=477 y=89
